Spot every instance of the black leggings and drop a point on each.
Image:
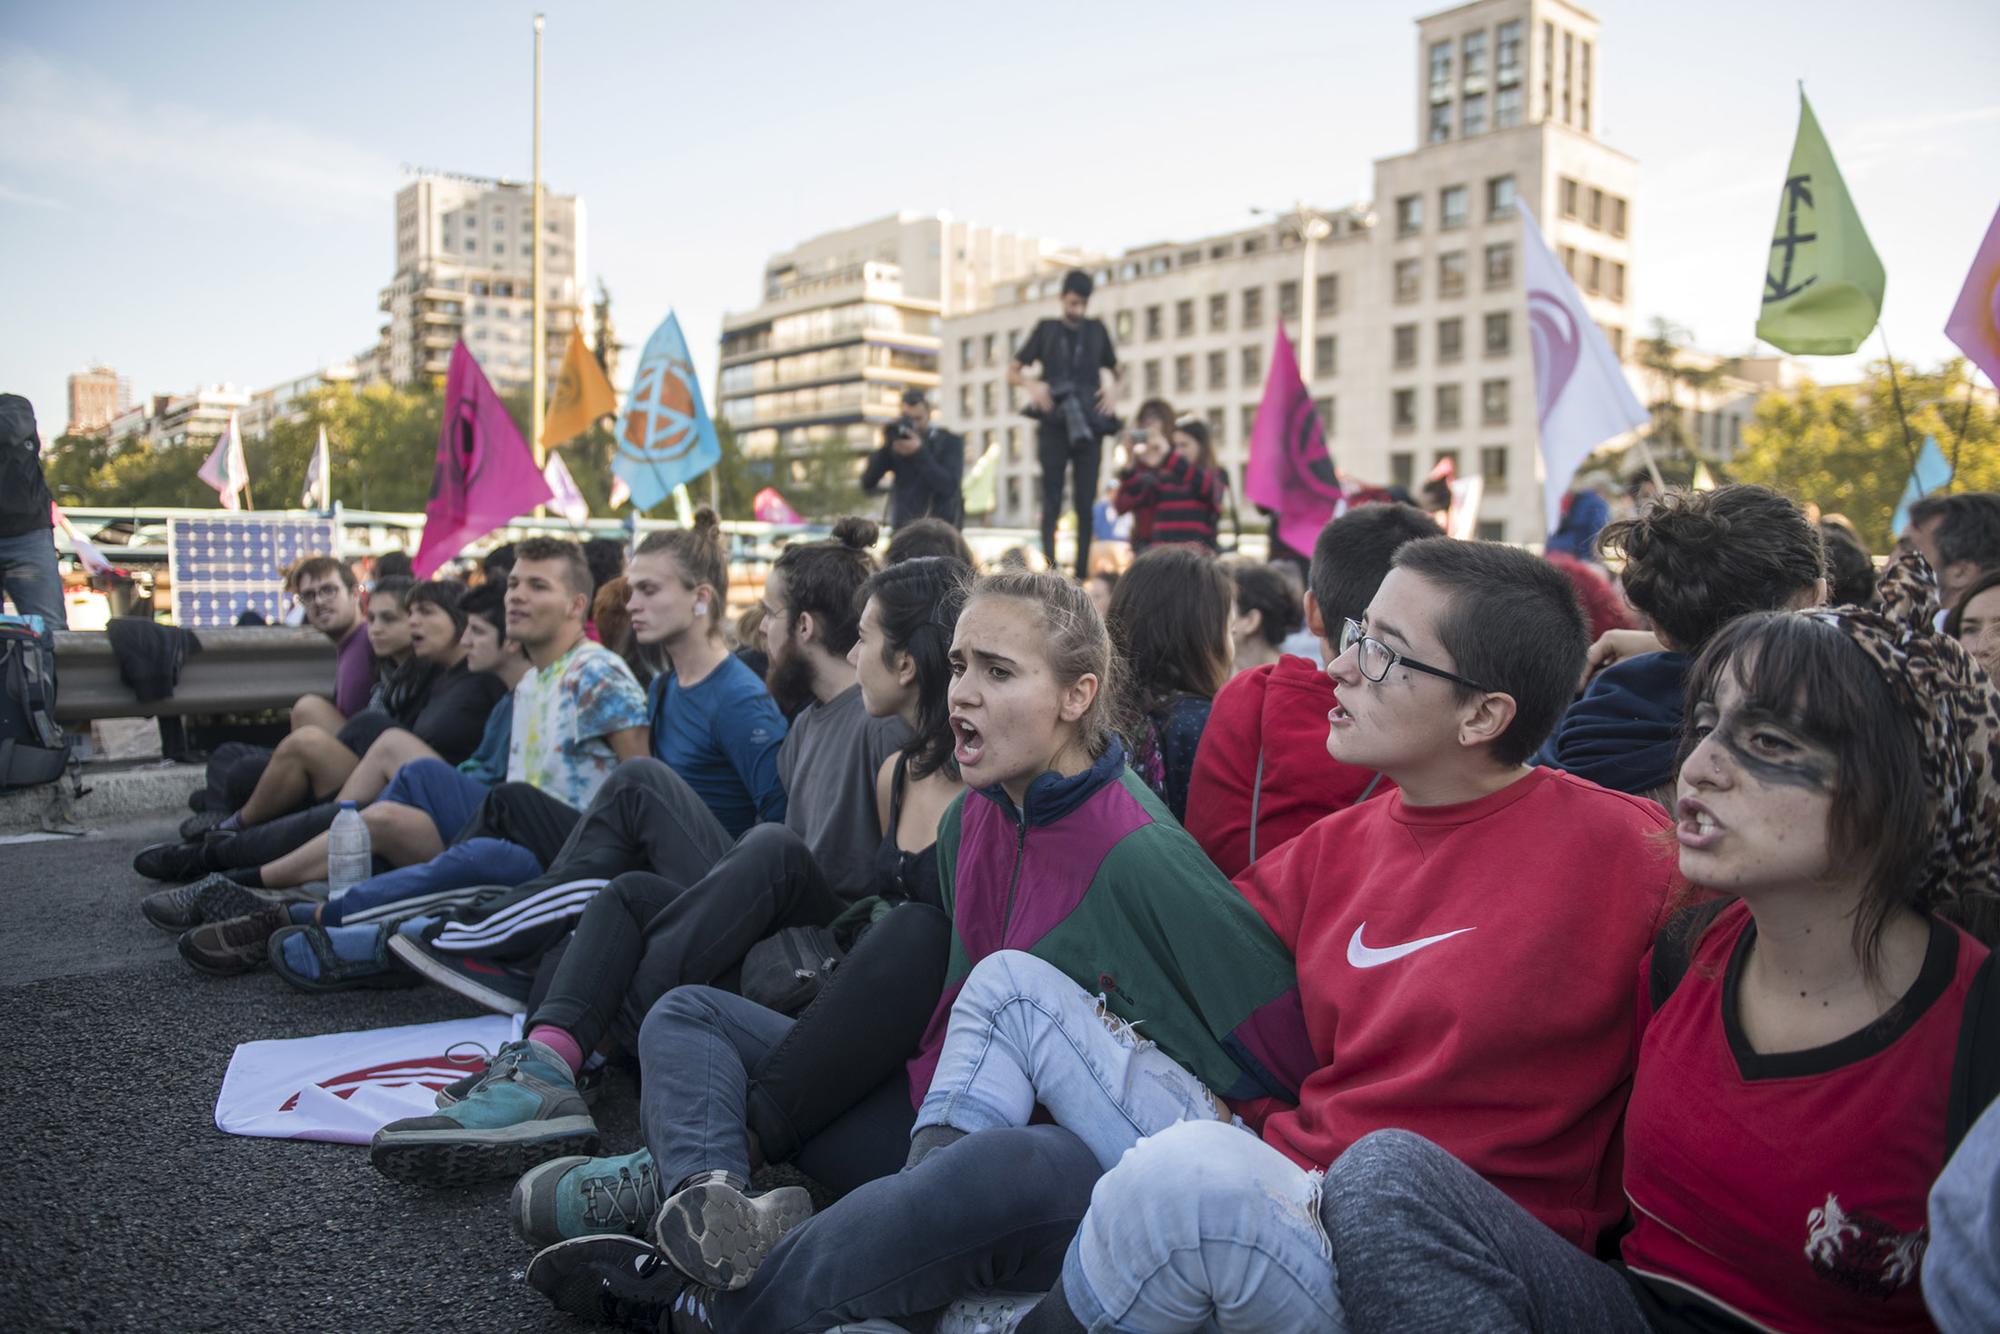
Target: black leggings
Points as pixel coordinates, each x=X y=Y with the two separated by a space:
x=1083 y=462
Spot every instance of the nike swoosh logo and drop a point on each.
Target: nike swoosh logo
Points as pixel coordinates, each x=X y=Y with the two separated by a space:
x=1362 y=956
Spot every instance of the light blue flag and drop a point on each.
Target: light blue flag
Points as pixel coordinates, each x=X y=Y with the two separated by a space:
x=665 y=438
x=1932 y=473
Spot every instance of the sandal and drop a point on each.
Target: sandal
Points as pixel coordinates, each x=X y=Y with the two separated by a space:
x=377 y=972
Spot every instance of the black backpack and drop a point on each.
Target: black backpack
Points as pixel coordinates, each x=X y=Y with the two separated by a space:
x=32 y=748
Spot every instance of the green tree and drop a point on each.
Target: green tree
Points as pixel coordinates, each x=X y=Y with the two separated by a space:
x=1662 y=354
x=1842 y=447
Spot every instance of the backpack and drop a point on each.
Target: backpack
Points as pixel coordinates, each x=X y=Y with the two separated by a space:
x=32 y=748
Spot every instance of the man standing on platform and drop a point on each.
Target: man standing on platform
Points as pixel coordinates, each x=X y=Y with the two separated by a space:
x=1075 y=400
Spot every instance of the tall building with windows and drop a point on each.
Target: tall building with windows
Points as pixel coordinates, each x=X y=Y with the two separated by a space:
x=1420 y=347
x=464 y=265
x=848 y=322
x=95 y=397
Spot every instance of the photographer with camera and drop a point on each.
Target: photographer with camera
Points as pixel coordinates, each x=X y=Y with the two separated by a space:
x=929 y=463
x=1076 y=406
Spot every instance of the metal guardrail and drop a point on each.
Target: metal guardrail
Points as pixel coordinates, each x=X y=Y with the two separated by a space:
x=239 y=670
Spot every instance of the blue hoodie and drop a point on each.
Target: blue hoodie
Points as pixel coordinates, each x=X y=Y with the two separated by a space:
x=1625 y=733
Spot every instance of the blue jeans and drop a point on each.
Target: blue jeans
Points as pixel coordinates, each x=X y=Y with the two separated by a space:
x=28 y=576
x=1203 y=1227
x=434 y=886
x=449 y=797
x=1021 y=1033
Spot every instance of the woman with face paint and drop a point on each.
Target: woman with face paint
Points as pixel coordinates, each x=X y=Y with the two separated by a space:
x=1814 y=1039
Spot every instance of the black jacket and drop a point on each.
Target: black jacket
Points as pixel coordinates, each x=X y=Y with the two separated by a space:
x=24 y=495
x=927 y=482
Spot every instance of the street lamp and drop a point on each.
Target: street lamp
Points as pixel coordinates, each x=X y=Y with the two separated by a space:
x=1313 y=227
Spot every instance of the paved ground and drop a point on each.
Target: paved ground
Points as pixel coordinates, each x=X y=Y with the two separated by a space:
x=127 y=1208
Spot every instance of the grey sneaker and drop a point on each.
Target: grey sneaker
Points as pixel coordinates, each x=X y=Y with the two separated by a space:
x=581 y=1197
x=524 y=1110
x=987 y=1313
x=717 y=1232
x=213 y=898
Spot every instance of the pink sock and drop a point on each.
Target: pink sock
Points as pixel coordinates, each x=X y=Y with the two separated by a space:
x=561 y=1043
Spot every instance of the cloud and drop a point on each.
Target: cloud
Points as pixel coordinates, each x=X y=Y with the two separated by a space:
x=74 y=124
x=9 y=195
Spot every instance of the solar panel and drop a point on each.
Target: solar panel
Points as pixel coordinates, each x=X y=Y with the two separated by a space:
x=230 y=564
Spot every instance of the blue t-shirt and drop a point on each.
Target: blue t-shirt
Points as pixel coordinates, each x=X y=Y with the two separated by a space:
x=488 y=764
x=721 y=736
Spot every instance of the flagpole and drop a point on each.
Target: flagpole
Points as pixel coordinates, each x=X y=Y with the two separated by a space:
x=1896 y=392
x=538 y=384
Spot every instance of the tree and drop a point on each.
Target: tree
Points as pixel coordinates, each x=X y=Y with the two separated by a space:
x=604 y=333
x=1663 y=355
x=1842 y=447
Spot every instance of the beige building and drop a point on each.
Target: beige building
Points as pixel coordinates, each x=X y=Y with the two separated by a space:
x=1419 y=347
x=464 y=261
x=286 y=401
x=96 y=396
x=196 y=417
x=848 y=322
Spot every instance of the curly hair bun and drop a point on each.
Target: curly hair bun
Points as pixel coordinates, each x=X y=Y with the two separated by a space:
x=856 y=532
x=705 y=520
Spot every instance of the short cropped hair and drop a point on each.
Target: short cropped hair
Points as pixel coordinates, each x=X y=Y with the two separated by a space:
x=318 y=567
x=1969 y=529
x=489 y=603
x=1850 y=573
x=1265 y=589
x=576 y=570
x=1511 y=623
x=1076 y=282
x=1352 y=556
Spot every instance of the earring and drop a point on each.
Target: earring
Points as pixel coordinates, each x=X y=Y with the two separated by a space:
x=701 y=607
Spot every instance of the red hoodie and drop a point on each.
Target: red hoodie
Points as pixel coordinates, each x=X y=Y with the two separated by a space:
x=1278 y=713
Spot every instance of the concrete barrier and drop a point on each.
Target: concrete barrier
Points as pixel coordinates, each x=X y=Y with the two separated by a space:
x=241 y=669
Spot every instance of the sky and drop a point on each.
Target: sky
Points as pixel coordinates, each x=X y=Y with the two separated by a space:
x=204 y=192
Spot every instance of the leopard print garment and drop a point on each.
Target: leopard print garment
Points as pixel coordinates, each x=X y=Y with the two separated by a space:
x=1956 y=708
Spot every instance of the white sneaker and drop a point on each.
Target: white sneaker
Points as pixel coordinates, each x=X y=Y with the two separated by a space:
x=988 y=1313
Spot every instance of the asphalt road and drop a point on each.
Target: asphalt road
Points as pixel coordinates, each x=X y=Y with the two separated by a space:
x=122 y=1206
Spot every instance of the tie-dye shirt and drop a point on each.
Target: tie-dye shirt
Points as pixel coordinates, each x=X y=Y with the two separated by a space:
x=563 y=714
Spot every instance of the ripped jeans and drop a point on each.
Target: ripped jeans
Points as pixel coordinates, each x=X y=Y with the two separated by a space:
x=1023 y=1033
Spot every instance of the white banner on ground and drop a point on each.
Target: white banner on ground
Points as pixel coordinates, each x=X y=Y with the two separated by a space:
x=343 y=1087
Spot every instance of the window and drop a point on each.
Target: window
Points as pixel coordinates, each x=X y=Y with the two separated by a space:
x=1475 y=114
x=1218 y=370
x=1569 y=68
x=1451 y=339
x=1190 y=257
x=986 y=349
x=1617 y=285
x=1445 y=456
x=1617 y=216
x=1595 y=216
x=1440 y=123
x=1122 y=322
x=1218 y=313
x=1155 y=324
x=1409 y=279
x=1403 y=409
x=1507 y=108
x=1013 y=445
x=1215 y=427
x=988 y=399
x=1493 y=467
x=1499 y=265
x=1507 y=50
x=1441 y=67
x=1248 y=416
x=964 y=401
x=1583 y=89
x=1184 y=375
x=1153 y=377
x=471 y=244
x=1409 y=215
x=1326 y=293
x=1499 y=333
x=1548 y=70
x=1323 y=409
x=1253 y=364
x=1500 y=197
x=1617 y=337
x=1253 y=307
x=1288 y=300
x=1406 y=345
x=1451 y=273
x=1493 y=402
x=1452 y=207
x=1490 y=530
x=1253 y=244
x=1475 y=55
x=1013 y=495
x=1184 y=319
x=1325 y=361
x=1447 y=406
x=1570 y=191
x=1403 y=469
x=1593 y=270
x=1569 y=261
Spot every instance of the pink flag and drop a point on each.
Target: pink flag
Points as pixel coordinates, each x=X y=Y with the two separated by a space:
x=485 y=473
x=1975 y=321
x=568 y=501
x=1290 y=472
x=224 y=469
x=770 y=507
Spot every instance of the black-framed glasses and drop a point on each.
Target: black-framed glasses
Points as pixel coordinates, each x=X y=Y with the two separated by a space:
x=1375 y=658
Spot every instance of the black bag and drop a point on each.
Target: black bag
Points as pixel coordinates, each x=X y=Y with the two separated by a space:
x=32 y=749
x=783 y=972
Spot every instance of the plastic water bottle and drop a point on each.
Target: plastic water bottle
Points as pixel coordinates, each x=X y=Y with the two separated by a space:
x=349 y=859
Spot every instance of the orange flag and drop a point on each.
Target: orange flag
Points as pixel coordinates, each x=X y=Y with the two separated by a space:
x=582 y=396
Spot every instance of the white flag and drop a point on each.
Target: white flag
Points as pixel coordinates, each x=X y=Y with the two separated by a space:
x=1581 y=397
x=568 y=501
x=225 y=469
x=87 y=554
x=318 y=493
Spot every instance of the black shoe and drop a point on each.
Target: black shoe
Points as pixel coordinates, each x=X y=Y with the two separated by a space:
x=200 y=823
x=619 y=1281
x=714 y=1230
x=171 y=861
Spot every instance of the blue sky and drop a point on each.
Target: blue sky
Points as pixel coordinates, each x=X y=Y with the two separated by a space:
x=200 y=191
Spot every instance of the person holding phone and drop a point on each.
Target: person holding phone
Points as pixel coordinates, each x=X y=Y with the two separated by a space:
x=1076 y=405
x=1171 y=487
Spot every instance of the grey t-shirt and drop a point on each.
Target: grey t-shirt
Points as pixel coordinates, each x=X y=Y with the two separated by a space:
x=828 y=762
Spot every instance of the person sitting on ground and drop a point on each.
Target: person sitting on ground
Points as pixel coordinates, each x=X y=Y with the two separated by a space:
x=681 y=904
x=1172 y=489
x=1262 y=774
x=1960 y=536
x=1850 y=570
x=609 y=612
x=1838 y=801
x=576 y=715
x=1975 y=621
x=1694 y=561
x=1267 y=611
x=1058 y=854
x=830 y=1090
x=388 y=630
x=929 y=537
x=1170 y=622
x=1427 y=926
x=337 y=608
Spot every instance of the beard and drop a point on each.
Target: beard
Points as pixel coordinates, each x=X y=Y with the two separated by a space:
x=790 y=679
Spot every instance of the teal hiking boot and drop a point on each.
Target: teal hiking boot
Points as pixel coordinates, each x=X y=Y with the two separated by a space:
x=581 y=1197
x=524 y=1110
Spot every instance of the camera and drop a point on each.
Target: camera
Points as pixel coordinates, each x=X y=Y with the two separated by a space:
x=898 y=429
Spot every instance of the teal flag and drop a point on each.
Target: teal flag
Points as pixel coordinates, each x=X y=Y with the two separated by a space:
x=1932 y=473
x=665 y=438
x=1823 y=286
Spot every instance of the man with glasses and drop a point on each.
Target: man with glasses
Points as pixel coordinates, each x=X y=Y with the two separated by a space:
x=326 y=588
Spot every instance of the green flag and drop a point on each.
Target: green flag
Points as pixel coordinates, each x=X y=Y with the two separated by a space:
x=1823 y=289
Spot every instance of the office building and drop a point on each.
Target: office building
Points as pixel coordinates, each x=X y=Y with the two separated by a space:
x=96 y=396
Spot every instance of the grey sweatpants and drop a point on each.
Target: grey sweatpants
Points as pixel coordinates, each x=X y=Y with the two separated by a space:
x=1422 y=1242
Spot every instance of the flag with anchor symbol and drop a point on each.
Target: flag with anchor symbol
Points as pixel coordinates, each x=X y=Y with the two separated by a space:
x=1823 y=284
